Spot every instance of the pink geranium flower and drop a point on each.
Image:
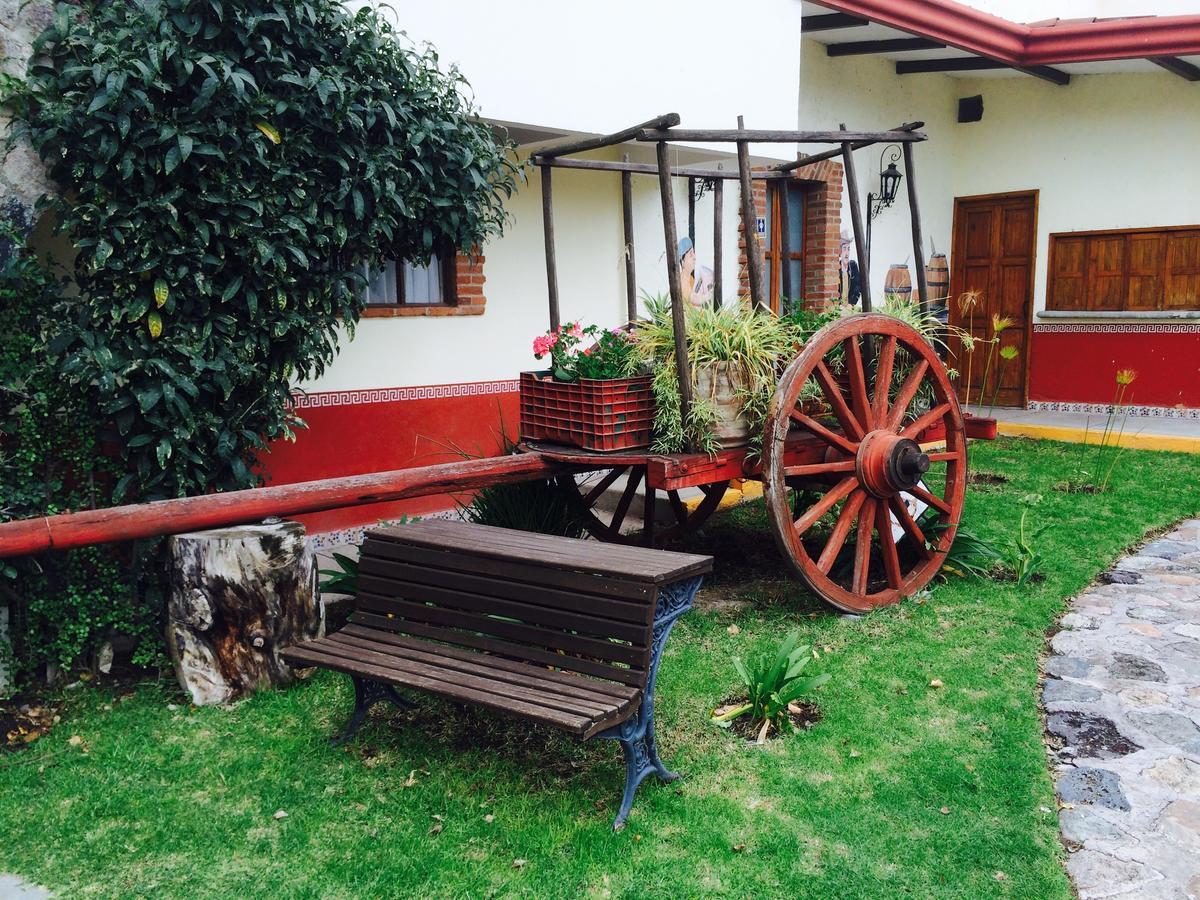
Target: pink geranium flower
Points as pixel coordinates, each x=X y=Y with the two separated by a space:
x=543 y=344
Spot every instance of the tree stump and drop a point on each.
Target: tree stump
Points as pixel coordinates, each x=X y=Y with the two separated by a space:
x=238 y=597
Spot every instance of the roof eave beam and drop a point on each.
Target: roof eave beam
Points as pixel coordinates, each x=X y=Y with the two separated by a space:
x=1177 y=66
x=977 y=64
x=894 y=45
x=829 y=22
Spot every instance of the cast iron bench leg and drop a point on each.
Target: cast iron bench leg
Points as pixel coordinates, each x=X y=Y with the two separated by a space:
x=366 y=694
x=636 y=734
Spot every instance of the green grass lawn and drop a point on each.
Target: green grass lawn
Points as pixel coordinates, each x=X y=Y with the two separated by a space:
x=901 y=790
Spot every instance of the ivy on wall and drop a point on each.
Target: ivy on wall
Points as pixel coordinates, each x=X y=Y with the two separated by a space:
x=227 y=169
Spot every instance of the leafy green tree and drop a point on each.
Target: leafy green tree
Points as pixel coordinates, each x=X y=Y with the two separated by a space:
x=228 y=168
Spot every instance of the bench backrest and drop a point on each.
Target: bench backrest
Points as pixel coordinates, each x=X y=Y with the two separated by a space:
x=576 y=605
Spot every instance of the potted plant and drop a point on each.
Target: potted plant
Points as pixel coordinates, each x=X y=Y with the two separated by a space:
x=593 y=396
x=734 y=357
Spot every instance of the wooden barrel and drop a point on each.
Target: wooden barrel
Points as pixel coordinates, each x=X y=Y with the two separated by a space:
x=898 y=282
x=937 y=279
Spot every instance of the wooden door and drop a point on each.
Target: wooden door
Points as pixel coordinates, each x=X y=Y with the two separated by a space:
x=993 y=256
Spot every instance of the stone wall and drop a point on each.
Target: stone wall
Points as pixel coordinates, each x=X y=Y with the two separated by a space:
x=22 y=176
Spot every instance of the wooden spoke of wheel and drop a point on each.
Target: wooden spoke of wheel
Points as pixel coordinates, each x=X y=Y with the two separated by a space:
x=913 y=430
x=825 y=468
x=842 y=490
x=904 y=517
x=841 y=528
x=862 y=546
x=830 y=437
x=908 y=390
x=884 y=362
x=833 y=393
x=859 y=400
x=584 y=498
x=842 y=545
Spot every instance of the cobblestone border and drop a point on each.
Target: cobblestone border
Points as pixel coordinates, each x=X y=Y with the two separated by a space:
x=1121 y=694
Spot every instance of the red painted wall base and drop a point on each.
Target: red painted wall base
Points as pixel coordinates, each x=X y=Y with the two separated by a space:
x=1080 y=366
x=355 y=432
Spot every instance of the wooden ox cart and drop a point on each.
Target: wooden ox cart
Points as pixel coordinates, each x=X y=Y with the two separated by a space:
x=862 y=512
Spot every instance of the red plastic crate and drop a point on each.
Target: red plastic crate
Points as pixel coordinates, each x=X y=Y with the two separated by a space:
x=589 y=414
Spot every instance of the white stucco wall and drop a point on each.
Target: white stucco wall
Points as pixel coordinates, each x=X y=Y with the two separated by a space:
x=1105 y=151
x=865 y=94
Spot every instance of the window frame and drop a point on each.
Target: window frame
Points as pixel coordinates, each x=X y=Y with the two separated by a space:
x=1091 y=242
x=449 y=270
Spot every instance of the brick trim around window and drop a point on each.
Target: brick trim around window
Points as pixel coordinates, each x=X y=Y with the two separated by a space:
x=469 y=299
x=822 y=232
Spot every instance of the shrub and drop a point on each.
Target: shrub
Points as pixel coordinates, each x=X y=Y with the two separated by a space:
x=51 y=461
x=228 y=170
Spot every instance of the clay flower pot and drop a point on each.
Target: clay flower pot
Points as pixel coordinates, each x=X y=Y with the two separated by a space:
x=720 y=383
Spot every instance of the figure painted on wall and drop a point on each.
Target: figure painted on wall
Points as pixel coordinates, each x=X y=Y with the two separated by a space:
x=849 y=284
x=695 y=281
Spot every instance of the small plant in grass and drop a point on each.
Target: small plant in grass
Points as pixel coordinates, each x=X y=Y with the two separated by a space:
x=971 y=556
x=775 y=681
x=1021 y=557
x=1095 y=478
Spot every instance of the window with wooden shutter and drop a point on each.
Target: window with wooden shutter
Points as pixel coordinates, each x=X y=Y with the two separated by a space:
x=1143 y=270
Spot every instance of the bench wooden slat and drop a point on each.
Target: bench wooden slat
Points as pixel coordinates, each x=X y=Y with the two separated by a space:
x=563 y=680
x=367 y=651
x=580 y=725
x=530 y=614
x=533 y=591
x=635 y=563
x=516 y=631
x=634 y=675
x=506 y=570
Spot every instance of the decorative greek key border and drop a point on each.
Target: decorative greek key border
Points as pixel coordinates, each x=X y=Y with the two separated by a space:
x=1116 y=328
x=1103 y=409
x=321 y=399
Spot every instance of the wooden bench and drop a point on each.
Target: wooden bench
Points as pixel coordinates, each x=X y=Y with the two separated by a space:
x=558 y=631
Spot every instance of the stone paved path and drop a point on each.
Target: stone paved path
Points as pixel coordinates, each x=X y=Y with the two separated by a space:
x=1122 y=700
x=13 y=888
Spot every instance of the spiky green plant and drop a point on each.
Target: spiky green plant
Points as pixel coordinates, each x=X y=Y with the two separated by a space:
x=772 y=682
x=755 y=344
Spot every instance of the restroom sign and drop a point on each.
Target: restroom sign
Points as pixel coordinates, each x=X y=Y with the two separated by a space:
x=760 y=225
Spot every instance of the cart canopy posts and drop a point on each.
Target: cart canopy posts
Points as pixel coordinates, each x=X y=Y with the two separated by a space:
x=663 y=131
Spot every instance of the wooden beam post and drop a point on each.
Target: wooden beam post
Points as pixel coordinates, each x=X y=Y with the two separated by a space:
x=678 y=323
x=785 y=243
x=627 y=222
x=551 y=263
x=579 y=145
x=718 y=224
x=691 y=183
x=860 y=248
x=914 y=212
x=753 y=258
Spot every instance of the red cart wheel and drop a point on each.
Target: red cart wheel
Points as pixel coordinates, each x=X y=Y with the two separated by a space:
x=585 y=495
x=881 y=386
